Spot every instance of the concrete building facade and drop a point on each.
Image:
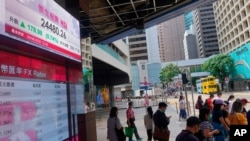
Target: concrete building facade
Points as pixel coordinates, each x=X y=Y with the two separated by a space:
x=137 y=46
x=86 y=53
x=171 y=39
x=207 y=41
x=232 y=22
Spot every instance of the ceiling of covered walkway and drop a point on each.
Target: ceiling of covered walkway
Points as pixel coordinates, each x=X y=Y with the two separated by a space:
x=109 y=20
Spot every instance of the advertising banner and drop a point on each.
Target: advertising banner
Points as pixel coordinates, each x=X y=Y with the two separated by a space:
x=42 y=23
x=241 y=62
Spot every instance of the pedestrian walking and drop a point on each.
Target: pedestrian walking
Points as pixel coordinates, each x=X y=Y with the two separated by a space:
x=148 y=122
x=182 y=108
x=113 y=123
x=131 y=121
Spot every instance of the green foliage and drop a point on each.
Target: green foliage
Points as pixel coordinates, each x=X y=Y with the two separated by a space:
x=168 y=72
x=220 y=66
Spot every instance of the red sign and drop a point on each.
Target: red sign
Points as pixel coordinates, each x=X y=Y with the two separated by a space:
x=14 y=31
x=20 y=66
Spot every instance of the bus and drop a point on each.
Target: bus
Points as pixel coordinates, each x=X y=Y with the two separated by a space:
x=209 y=85
x=198 y=86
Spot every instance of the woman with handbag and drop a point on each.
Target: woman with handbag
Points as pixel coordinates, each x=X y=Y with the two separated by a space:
x=115 y=129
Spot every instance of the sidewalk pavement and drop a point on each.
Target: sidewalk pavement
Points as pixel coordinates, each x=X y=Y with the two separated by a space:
x=175 y=125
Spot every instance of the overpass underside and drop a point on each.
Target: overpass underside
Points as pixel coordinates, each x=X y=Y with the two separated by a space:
x=108 y=20
x=105 y=74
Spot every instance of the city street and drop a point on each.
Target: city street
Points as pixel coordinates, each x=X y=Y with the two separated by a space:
x=175 y=125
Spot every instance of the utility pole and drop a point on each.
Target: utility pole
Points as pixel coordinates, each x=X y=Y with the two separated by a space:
x=184 y=82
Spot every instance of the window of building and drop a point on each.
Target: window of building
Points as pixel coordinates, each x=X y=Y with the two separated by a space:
x=143 y=67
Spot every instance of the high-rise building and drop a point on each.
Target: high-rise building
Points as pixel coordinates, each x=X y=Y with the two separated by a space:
x=188 y=17
x=152 y=45
x=137 y=46
x=189 y=42
x=206 y=34
x=232 y=21
x=171 y=39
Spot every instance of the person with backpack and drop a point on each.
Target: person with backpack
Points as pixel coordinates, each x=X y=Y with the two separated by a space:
x=206 y=128
x=114 y=124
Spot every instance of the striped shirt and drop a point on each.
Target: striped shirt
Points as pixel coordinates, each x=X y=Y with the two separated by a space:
x=206 y=125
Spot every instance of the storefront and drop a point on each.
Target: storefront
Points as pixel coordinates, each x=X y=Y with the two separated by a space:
x=41 y=88
x=241 y=75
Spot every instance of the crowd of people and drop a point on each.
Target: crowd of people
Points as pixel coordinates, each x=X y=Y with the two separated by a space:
x=213 y=123
x=151 y=120
x=215 y=117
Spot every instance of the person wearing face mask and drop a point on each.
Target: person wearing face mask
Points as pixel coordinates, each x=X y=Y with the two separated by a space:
x=160 y=119
x=192 y=127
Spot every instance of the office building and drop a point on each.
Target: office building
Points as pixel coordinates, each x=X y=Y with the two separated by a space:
x=137 y=46
x=189 y=42
x=171 y=39
x=188 y=17
x=152 y=44
x=207 y=41
x=232 y=22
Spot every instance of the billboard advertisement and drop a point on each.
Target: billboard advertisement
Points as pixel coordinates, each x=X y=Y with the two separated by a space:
x=241 y=62
x=41 y=23
x=33 y=100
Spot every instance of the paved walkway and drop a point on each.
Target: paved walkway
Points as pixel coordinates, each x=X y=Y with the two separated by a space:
x=175 y=125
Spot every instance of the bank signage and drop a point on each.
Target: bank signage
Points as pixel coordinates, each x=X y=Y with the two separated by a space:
x=241 y=62
x=43 y=23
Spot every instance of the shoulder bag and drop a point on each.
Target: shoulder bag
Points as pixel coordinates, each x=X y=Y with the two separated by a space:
x=120 y=133
x=161 y=134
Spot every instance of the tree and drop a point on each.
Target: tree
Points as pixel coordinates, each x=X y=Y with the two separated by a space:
x=168 y=72
x=220 y=66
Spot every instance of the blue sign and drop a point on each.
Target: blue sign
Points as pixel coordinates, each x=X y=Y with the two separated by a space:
x=241 y=62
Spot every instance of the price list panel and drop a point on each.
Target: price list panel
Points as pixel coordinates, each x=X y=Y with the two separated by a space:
x=33 y=111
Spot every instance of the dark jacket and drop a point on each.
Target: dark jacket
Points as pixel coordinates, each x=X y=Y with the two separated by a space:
x=160 y=119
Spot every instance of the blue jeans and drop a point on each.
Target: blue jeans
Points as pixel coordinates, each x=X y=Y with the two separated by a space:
x=183 y=113
x=221 y=136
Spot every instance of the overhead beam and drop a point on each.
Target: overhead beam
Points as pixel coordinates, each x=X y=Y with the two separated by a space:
x=115 y=12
